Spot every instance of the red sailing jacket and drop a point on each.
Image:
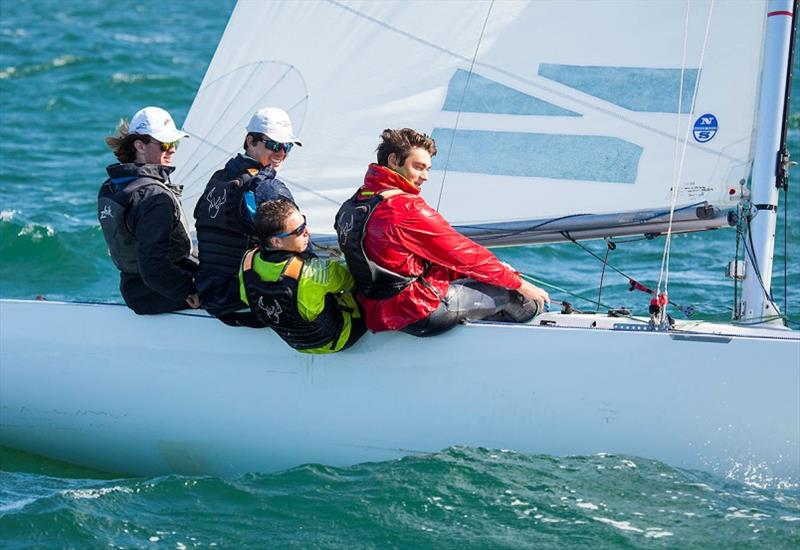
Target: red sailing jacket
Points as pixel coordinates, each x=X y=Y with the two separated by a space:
x=401 y=235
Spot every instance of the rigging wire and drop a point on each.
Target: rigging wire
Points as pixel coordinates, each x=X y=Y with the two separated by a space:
x=749 y=249
x=688 y=311
x=609 y=247
x=664 y=273
x=540 y=282
x=736 y=274
x=461 y=103
x=676 y=167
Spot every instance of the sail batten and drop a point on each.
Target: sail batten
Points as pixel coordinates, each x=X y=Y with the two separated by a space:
x=563 y=108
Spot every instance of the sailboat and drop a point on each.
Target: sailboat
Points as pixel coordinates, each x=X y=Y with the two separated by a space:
x=554 y=121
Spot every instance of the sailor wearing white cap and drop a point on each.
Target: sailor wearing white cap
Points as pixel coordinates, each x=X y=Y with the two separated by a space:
x=140 y=213
x=224 y=214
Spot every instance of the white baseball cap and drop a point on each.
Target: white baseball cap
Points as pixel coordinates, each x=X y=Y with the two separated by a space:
x=275 y=123
x=157 y=123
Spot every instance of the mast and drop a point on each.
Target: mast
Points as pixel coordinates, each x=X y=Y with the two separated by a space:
x=768 y=161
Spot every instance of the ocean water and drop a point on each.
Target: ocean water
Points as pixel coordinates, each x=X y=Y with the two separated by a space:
x=68 y=71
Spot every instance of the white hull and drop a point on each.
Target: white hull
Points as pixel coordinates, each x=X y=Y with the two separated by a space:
x=98 y=386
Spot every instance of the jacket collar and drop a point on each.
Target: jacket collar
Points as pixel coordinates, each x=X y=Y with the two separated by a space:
x=380 y=178
x=242 y=163
x=121 y=174
x=158 y=172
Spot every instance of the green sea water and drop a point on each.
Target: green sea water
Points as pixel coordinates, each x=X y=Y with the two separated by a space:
x=68 y=71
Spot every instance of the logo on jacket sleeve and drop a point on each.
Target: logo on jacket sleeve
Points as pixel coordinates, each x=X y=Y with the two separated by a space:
x=345 y=228
x=273 y=312
x=106 y=212
x=214 y=203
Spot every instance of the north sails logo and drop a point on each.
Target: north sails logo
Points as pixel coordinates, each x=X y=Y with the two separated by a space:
x=273 y=312
x=216 y=202
x=106 y=212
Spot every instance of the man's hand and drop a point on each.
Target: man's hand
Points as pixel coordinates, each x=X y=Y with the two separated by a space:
x=193 y=300
x=534 y=293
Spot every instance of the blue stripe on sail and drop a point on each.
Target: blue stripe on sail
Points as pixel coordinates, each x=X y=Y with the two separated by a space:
x=590 y=158
x=487 y=96
x=636 y=89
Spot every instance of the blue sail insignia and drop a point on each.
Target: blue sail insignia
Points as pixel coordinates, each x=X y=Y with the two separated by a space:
x=634 y=88
x=568 y=157
x=478 y=94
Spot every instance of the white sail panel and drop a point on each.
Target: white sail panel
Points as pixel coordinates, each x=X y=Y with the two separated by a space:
x=540 y=110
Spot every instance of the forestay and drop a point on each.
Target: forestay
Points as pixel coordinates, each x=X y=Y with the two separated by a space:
x=540 y=110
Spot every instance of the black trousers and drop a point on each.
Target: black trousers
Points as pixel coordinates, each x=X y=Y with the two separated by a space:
x=470 y=300
x=357 y=329
x=243 y=318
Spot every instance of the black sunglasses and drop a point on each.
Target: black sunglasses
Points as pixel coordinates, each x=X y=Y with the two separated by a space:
x=296 y=232
x=275 y=146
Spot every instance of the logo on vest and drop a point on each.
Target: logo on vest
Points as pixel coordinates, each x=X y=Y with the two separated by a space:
x=106 y=212
x=216 y=202
x=345 y=229
x=273 y=312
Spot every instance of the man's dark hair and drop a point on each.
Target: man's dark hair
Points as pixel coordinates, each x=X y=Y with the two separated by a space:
x=400 y=142
x=256 y=137
x=270 y=217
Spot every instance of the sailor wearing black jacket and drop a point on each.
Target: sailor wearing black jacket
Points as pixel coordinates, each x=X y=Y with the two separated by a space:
x=225 y=211
x=140 y=213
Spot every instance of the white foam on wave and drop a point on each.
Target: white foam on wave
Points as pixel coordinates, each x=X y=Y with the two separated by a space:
x=31 y=229
x=62 y=60
x=8 y=215
x=790 y=518
x=621 y=525
x=126 y=78
x=656 y=533
x=16 y=33
x=742 y=514
x=587 y=505
x=139 y=39
x=7 y=72
x=94 y=493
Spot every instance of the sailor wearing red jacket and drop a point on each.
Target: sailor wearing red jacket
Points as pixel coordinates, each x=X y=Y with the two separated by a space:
x=413 y=271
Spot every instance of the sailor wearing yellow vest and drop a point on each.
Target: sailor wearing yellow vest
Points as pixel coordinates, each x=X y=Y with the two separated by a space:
x=305 y=299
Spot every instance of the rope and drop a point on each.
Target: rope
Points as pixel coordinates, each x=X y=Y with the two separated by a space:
x=739 y=234
x=609 y=247
x=678 y=170
x=749 y=248
x=461 y=103
x=688 y=311
x=540 y=282
x=533 y=279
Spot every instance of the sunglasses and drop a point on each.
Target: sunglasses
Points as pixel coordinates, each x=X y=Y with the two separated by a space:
x=296 y=232
x=275 y=146
x=165 y=145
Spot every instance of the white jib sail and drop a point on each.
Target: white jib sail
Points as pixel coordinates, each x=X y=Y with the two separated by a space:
x=539 y=110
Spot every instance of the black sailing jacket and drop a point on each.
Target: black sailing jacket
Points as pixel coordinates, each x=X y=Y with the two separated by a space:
x=141 y=217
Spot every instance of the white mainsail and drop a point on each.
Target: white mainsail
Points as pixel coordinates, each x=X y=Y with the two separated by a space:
x=540 y=110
